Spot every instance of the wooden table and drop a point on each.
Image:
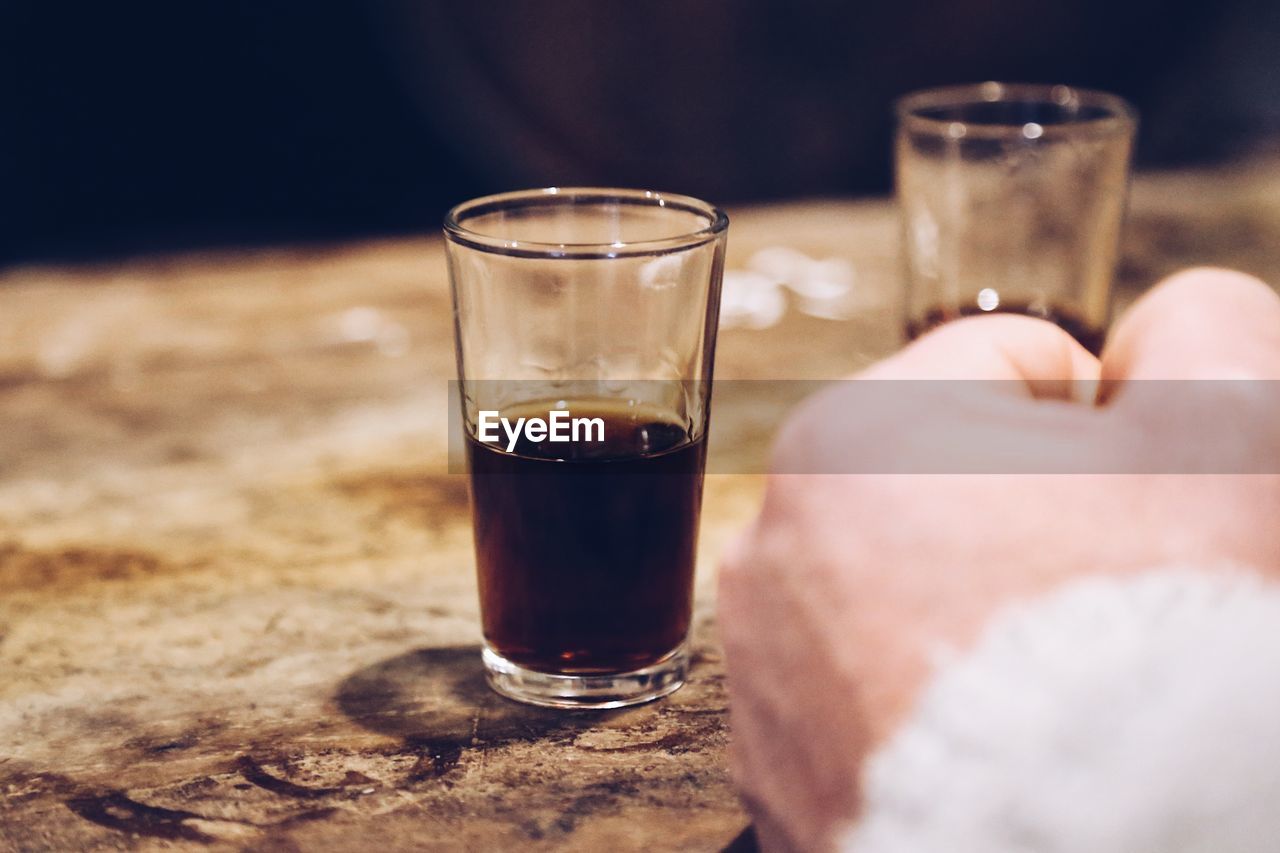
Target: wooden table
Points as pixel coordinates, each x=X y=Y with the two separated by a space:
x=236 y=597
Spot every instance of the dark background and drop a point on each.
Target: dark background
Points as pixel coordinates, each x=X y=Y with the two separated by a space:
x=141 y=126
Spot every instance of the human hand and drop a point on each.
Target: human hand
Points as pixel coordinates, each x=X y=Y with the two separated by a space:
x=833 y=601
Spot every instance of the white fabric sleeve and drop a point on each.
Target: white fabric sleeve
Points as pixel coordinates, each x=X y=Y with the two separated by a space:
x=1137 y=715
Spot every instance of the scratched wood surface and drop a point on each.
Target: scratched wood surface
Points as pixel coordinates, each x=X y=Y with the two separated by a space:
x=237 y=608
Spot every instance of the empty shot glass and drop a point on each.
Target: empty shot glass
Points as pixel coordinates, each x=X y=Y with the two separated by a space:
x=1011 y=198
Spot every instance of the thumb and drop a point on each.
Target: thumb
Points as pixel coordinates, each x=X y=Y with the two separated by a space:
x=1038 y=358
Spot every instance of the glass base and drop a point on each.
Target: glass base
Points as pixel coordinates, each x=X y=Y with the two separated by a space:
x=614 y=690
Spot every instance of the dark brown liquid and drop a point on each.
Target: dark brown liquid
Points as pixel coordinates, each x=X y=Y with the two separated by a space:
x=1090 y=337
x=585 y=551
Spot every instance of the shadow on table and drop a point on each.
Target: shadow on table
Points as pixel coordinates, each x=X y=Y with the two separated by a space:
x=437 y=700
x=744 y=842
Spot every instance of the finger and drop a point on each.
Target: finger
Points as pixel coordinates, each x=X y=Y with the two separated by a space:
x=1041 y=359
x=1202 y=324
x=1199 y=324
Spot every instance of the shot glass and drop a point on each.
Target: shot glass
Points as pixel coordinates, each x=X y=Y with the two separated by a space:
x=592 y=312
x=1011 y=199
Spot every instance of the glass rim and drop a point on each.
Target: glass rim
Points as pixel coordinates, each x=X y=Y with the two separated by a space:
x=456 y=231
x=1121 y=116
